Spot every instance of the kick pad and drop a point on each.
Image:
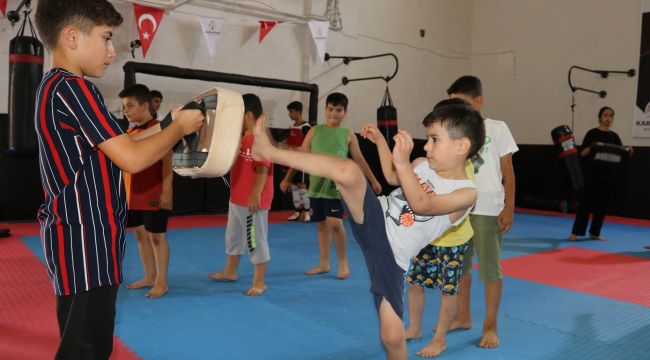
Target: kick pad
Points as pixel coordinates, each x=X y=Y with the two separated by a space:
x=614 y=276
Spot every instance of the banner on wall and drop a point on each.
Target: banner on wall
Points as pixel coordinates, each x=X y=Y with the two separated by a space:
x=319 y=30
x=3 y=7
x=265 y=28
x=147 y=20
x=212 y=32
x=641 y=121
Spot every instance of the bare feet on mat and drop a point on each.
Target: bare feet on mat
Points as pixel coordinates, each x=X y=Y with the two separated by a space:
x=319 y=269
x=222 y=276
x=344 y=271
x=457 y=325
x=432 y=349
x=597 y=237
x=256 y=290
x=573 y=237
x=140 y=284
x=489 y=339
x=157 y=291
x=412 y=333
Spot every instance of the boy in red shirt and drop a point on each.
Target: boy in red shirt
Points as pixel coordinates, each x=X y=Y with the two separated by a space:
x=251 y=194
x=149 y=197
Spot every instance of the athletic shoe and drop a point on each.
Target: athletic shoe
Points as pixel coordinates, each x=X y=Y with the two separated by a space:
x=294 y=217
x=307 y=217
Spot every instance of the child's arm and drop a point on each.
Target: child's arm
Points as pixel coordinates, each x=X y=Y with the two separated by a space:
x=135 y=156
x=372 y=133
x=505 y=218
x=455 y=203
x=167 y=194
x=305 y=147
x=355 y=151
x=255 y=197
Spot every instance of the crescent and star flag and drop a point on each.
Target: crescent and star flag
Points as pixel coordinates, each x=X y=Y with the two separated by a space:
x=147 y=20
x=265 y=28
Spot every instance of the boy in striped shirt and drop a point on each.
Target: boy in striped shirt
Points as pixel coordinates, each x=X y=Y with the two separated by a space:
x=82 y=152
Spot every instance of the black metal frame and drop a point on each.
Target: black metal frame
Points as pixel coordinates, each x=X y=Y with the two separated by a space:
x=347 y=59
x=131 y=68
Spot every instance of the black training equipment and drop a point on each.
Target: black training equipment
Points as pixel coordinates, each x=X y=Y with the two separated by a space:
x=25 y=74
x=568 y=155
x=387 y=118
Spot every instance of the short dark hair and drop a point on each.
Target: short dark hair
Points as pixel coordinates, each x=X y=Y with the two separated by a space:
x=337 y=99
x=603 y=109
x=253 y=104
x=140 y=92
x=460 y=120
x=295 y=106
x=156 y=93
x=467 y=85
x=53 y=15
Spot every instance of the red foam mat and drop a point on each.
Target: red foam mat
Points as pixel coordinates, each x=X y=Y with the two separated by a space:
x=28 y=327
x=614 y=276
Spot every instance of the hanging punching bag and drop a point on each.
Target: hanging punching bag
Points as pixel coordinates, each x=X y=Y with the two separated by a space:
x=387 y=118
x=25 y=74
x=568 y=155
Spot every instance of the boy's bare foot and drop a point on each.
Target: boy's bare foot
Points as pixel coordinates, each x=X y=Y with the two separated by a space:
x=256 y=290
x=595 y=237
x=412 y=333
x=344 y=271
x=262 y=146
x=157 y=291
x=222 y=276
x=457 y=325
x=140 y=284
x=433 y=349
x=319 y=269
x=489 y=339
x=573 y=237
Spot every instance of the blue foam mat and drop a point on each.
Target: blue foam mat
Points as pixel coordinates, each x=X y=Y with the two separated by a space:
x=320 y=317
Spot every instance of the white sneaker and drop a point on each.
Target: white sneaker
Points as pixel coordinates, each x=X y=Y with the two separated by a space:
x=294 y=217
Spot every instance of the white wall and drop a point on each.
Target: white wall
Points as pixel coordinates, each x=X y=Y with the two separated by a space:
x=529 y=88
x=521 y=50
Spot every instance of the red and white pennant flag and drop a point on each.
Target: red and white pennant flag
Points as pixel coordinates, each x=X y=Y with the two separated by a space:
x=148 y=21
x=265 y=28
x=3 y=7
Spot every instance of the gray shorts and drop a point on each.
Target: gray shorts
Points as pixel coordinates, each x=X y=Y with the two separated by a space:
x=240 y=236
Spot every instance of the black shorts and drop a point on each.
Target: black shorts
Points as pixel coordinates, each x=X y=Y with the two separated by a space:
x=386 y=277
x=300 y=178
x=154 y=221
x=322 y=208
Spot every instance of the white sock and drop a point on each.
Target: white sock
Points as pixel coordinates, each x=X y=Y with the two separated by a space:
x=295 y=195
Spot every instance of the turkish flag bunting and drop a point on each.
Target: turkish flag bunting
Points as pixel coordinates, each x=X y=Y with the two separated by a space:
x=3 y=6
x=147 y=20
x=265 y=28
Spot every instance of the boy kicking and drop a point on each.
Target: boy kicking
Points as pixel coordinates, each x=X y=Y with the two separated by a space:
x=434 y=195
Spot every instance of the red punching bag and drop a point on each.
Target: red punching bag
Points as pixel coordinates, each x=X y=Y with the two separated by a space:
x=568 y=155
x=25 y=74
x=387 y=118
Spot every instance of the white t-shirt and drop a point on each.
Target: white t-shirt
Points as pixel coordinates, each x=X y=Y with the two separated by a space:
x=487 y=168
x=409 y=233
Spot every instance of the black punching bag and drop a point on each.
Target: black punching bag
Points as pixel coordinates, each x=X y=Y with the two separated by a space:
x=387 y=118
x=25 y=74
x=568 y=155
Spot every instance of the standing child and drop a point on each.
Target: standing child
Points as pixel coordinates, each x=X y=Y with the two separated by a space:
x=248 y=212
x=434 y=195
x=325 y=199
x=492 y=216
x=149 y=197
x=82 y=150
x=156 y=101
x=297 y=184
